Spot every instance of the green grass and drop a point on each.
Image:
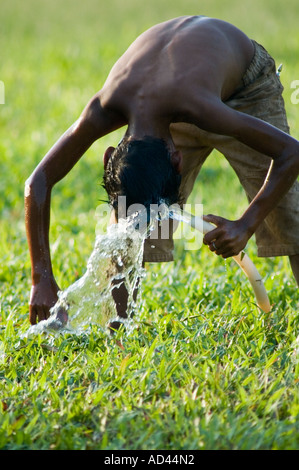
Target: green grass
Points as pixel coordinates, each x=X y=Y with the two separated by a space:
x=205 y=369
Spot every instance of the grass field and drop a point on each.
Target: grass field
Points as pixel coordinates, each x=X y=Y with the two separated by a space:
x=206 y=369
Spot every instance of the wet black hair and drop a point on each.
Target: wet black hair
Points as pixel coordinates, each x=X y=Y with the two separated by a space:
x=142 y=171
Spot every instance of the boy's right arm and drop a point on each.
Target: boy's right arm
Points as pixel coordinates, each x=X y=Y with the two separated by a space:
x=93 y=123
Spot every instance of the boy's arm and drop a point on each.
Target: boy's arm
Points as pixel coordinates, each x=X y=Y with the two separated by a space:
x=93 y=123
x=230 y=237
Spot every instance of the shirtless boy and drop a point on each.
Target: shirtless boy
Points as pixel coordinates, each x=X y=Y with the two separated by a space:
x=183 y=88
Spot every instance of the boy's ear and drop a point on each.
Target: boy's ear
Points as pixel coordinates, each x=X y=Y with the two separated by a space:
x=177 y=160
x=107 y=155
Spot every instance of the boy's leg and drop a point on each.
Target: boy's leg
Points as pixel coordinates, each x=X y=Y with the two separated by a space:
x=294 y=260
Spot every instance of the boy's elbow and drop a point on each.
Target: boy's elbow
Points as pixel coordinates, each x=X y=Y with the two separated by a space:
x=36 y=186
x=295 y=158
x=290 y=157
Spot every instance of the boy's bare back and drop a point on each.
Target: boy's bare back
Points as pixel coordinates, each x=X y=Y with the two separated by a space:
x=167 y=66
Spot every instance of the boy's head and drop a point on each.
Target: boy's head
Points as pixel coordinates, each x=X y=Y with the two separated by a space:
x=144 y=171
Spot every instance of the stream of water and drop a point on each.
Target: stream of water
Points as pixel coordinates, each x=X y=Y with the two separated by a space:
x=116 y=257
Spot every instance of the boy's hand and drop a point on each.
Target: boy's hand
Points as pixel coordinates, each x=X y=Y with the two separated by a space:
x=43 y=297
x=228 y=238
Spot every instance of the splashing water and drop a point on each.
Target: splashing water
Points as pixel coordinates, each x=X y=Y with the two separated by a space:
x=117 y=256
x=116 y=259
